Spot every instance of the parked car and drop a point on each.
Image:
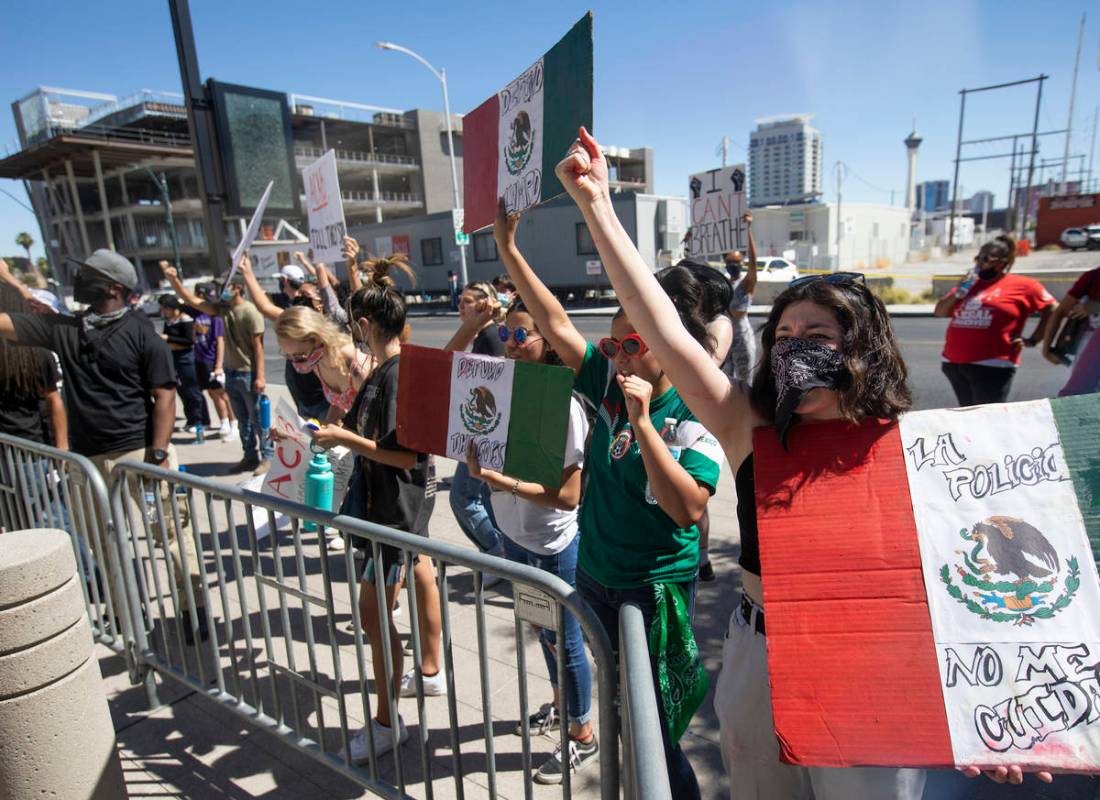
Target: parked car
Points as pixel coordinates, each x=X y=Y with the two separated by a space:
x=1075 y=238
x=1093 y=232
x=775 y=270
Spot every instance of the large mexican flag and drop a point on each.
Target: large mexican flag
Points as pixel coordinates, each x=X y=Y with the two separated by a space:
x=930 y=591
x=512 y=142
x=516 y=412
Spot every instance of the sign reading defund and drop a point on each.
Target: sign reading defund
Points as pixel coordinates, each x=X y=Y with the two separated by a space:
x=1001 y=497
x=513 y=141
x=717 y=204
x=515 y=412
x=326 y=210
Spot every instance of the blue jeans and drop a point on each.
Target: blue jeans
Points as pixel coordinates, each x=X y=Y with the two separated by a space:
x=246 y=405
x=606 y=602
x=473 y=511
x=578 y=674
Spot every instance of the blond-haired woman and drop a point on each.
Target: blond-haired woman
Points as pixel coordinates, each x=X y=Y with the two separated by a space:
x=315 y=344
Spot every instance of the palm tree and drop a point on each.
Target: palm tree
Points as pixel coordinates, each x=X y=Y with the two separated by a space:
x=25 y=241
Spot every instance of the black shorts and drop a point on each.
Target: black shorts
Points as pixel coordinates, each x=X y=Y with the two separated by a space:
x=205 y=374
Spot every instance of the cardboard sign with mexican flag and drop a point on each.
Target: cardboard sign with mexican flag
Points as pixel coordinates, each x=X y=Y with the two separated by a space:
x=513 y=141
x=930 y=587
x=515 y=411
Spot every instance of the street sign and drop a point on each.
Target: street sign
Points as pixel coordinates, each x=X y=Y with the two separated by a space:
x=458 y=216
x=594 y=267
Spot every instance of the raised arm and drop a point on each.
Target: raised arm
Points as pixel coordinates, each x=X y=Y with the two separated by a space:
x=550 y=317
x=351 y=257
x=748 y=283
x=185 y=294
x=722 y=406
x=259 y=297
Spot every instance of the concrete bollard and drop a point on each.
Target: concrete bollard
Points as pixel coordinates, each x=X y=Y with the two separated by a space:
x=56 y=734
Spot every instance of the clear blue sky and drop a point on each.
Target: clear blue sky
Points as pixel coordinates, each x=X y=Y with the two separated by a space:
x=674 y=78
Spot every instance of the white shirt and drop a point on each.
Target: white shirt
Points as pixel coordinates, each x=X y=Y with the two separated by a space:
x=542 y=530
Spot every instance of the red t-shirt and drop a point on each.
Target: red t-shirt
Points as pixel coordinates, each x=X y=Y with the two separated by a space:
x=1087 y=283
x=992 y=315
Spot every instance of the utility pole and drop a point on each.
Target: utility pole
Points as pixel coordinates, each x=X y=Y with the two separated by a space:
x=955 y=190
x=1092 y=150
x=1034 y=150
x=839 y=208
x=1072 y=97
x=725 y=149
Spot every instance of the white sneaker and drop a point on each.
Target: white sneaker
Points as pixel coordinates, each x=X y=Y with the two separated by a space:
x=225 y=430
x=383 y=740
x=336 y=542
x=434 y=686
x=234 y=428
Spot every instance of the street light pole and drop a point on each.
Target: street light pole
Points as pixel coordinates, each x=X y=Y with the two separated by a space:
x=162 y=183
x=441 y=76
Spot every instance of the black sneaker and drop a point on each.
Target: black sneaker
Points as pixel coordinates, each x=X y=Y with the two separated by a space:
x=543 y=721
x=245 y=465
x=706 y=572
x=580 y=754
x=188 y=634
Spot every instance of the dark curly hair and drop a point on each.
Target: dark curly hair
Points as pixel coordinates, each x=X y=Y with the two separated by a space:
x=879 y=379
x=717 y=289
x=689 y=293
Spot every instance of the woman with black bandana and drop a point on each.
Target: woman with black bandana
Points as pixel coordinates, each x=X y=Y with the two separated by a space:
x=828 y=353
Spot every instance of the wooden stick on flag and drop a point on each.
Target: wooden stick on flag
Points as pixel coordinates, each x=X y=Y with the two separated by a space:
x=513 y=141
x=517 y=412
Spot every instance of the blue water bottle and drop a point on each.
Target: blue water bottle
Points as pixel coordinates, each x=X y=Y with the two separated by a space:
x=319 y=480
x=265 y=417
x=200 y=434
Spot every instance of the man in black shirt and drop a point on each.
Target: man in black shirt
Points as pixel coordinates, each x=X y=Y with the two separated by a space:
x=120 y=386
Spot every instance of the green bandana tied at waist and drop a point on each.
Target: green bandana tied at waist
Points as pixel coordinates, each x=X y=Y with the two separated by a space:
x=681 y=676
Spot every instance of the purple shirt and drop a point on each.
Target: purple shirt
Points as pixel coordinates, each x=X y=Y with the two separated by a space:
x=207 y=332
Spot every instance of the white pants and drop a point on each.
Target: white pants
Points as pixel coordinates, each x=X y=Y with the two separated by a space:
x=750 y=750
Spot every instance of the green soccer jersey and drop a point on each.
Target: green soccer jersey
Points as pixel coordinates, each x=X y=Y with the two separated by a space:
x=626 y=539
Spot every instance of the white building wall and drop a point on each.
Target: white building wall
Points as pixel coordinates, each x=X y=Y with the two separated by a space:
x=873 y=236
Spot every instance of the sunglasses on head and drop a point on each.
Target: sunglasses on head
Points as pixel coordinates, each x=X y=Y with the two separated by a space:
x=632 y=346
x=519 y=335
x=832 y=277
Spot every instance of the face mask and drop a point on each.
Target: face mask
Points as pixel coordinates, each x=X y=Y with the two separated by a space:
x=90 y=289
x=799 y=366
x=311 y=361
x=987 y=274
x=734 y=271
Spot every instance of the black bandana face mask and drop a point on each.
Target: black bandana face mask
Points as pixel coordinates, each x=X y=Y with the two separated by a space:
x=90 y=289
x=799 y=366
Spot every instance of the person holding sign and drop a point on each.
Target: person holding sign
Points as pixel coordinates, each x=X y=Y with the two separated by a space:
x=540 y=528
x=743 y=352
x=652 y=467
x=822 y=333
x=481 y=314
x=390 y=486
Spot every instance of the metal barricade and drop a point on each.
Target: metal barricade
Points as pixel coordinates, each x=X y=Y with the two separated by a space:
x=275 y=600
x=645 y=773
x=43 y=487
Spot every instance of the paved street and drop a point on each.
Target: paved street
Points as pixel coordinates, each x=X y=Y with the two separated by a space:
x=921 y=343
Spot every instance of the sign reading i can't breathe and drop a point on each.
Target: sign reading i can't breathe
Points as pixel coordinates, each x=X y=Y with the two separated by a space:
x=326 y=211
x=717 y=203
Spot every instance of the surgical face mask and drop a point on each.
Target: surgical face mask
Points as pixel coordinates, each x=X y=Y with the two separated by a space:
x=798 y=367
x=90 y=288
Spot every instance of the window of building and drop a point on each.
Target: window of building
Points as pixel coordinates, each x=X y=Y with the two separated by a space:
x=431 y=251
x=485 y=249
x=585 y=245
